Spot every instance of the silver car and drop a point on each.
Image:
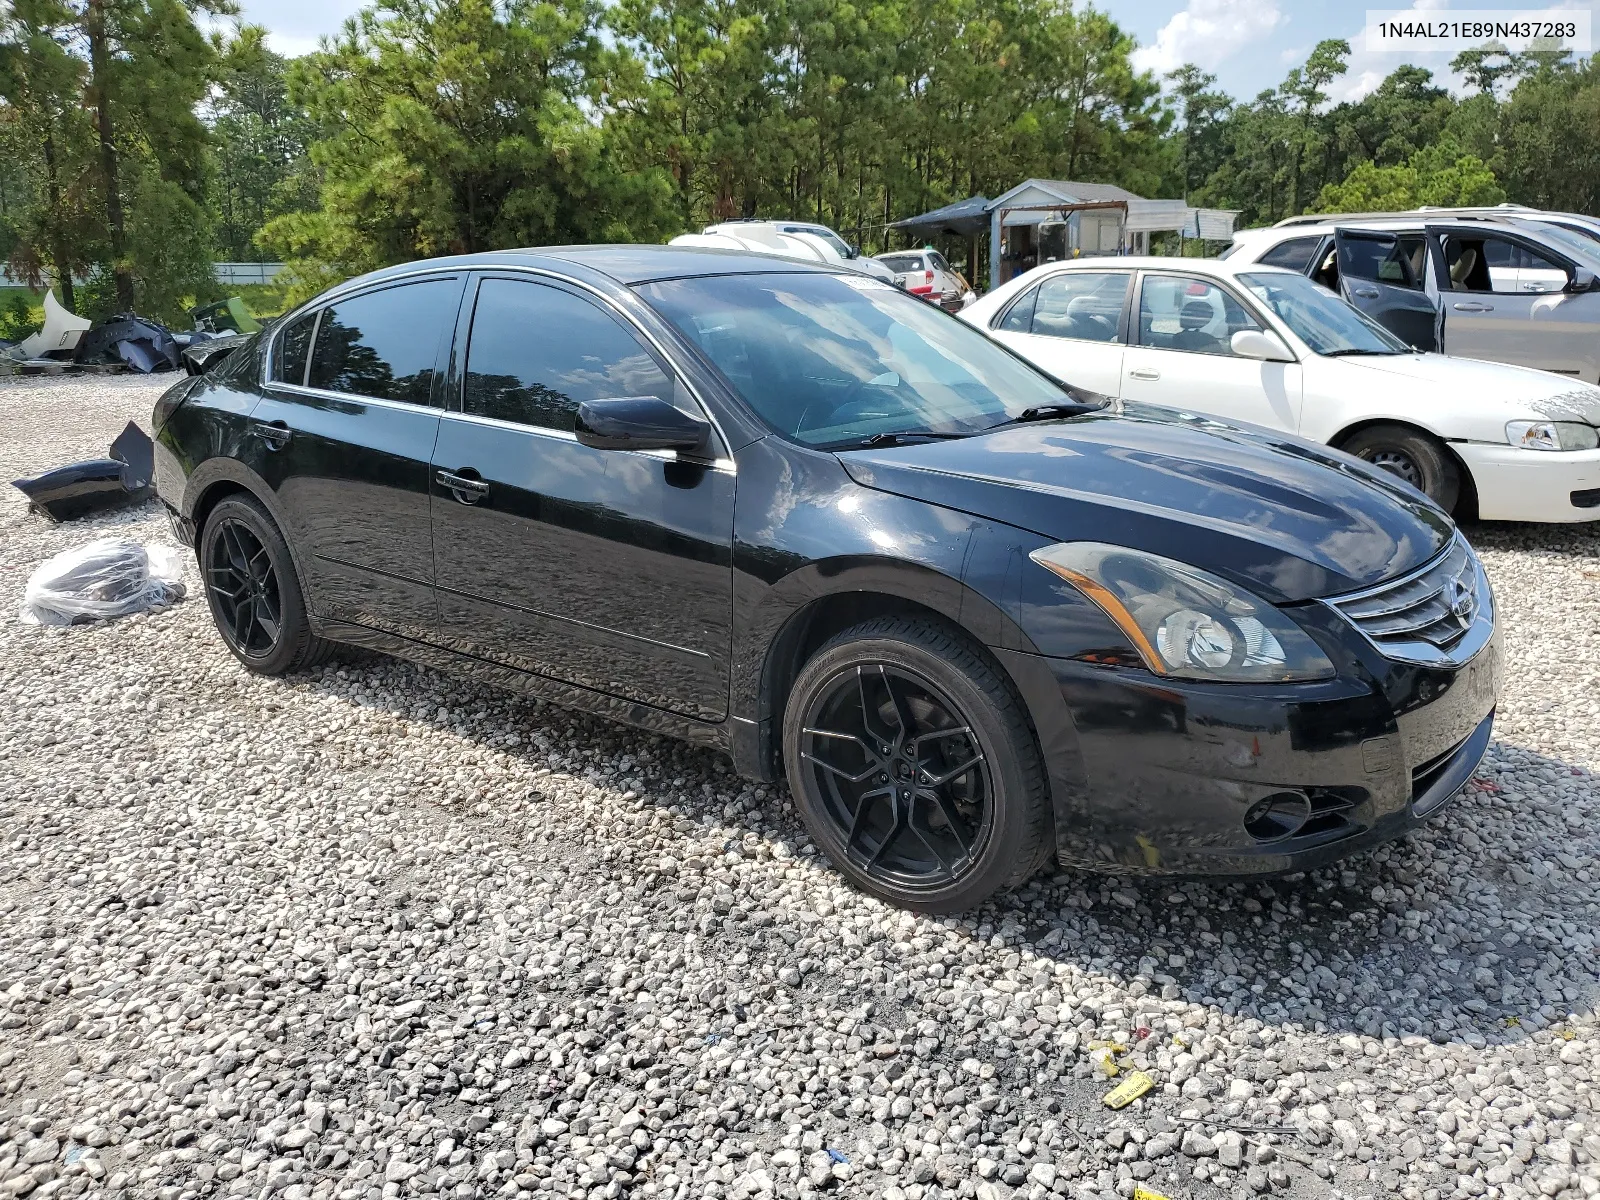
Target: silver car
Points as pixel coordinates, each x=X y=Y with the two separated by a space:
x=1499 y=289
x=925 y=273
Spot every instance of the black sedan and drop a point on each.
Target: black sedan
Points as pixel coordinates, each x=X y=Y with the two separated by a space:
x=977 y=620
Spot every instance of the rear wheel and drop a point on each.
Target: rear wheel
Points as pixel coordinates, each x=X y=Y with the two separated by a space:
x=253 y=590
x=1418 y=458
x=914 y=768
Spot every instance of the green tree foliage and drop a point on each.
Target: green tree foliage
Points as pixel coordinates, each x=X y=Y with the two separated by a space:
x=454 y=126
x=1439 y=175
x=104 y=94
x=857 y=114
x=259 y=145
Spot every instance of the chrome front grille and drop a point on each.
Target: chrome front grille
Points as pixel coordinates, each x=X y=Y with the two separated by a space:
x=1441 y=614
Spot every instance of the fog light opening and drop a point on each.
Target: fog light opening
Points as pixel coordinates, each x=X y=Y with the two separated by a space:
x=1278 y=816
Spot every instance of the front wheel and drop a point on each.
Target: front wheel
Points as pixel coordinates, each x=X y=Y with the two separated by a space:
x=1417 y=457
x=914 y=767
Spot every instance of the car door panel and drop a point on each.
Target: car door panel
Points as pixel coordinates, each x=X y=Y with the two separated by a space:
x=1547 y=330
x=1397 y=302
x=1072 y=325
x=350 y=471
x=1207 y=377
x=607 y=569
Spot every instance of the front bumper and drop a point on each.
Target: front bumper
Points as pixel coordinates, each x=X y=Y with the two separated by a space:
x=1533 y=485
x=1159 y=774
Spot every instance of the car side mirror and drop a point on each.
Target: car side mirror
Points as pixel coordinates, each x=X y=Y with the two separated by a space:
x=1583 y=280
x=638 y=423
x=1257 y=343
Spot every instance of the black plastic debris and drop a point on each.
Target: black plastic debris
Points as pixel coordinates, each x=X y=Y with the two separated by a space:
x=142 y=344
x=97 y=484
x=201 y=356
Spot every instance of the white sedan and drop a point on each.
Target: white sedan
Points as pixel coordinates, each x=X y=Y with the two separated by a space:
x=1268 y=346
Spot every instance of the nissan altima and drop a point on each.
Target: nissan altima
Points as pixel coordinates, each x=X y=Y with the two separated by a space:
x=977 y=621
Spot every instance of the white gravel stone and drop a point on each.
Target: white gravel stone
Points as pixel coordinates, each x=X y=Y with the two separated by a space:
x=377 y=932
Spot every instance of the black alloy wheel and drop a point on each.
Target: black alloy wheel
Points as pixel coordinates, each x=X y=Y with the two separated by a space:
x=244 y=590
x=900 y=773
x=254 y=591
x=914 y=767
x=1413 y=455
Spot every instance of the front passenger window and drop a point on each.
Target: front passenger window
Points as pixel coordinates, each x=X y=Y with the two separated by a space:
x=537 y=352
x=1180 y=312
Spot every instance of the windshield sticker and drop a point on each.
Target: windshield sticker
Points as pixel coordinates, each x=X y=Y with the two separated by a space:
x=863 y=283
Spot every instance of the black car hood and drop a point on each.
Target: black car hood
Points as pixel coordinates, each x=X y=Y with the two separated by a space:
x=1287 y=518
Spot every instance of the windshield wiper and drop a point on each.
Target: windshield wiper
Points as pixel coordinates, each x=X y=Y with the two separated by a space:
x=1355 y=352
x=900 y=438
x=1049 y=412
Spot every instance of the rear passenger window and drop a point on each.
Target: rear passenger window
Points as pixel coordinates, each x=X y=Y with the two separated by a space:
x=538 y=352
x=385 y=344
x=1295 y=254
x=289 y=356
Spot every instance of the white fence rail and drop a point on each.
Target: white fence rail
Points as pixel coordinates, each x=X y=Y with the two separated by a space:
x=234 y=273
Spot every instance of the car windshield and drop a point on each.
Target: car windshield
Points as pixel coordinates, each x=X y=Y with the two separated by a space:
x=831 y=360
x=1575 y=244
x=1320 y=319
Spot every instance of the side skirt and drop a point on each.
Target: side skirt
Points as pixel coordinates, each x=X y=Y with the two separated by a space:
x=627 y=712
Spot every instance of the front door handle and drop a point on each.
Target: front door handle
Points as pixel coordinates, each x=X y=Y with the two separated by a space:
x=1367 y=293
x=1144 y=373
x=275 y=434
x=465 y=488
x=1473 y=307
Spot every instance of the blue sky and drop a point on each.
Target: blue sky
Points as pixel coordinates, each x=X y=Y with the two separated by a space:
x=1248 y=44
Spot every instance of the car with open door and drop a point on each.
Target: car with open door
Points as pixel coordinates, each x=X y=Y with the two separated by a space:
x=976 y=621
x=1247 y=342
x=1500 y=290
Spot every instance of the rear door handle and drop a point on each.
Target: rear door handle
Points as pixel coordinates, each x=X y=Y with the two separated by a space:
x=275 y=434
x=1144 y=373
x=1367 y=293
x=463 y=487
x=1473 y=307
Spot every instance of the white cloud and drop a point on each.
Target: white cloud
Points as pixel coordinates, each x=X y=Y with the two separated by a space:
x=1207 y=32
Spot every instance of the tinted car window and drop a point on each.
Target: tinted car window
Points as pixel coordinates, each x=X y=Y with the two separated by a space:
x=1179 y=312
x=385 y=344
x=1379 y=259
x=289 y=356
x=537 y=352
x=1082 y=305
x=902 y=262
x=1294 y=254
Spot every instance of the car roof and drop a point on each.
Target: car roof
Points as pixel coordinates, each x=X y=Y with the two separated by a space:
x=623 y=264
x=1284 y=232
x=1221 y=268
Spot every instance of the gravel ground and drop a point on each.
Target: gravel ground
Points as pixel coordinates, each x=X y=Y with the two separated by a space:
x=375 y=932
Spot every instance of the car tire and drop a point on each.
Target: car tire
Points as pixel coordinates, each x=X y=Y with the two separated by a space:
x=935 y=846
x=1418 y=458
x=254 y=592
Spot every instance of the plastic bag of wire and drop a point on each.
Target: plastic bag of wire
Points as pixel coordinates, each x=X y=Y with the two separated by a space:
x=101 y=580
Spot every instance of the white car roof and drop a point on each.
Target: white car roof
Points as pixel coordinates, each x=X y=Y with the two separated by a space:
x=1215 y=268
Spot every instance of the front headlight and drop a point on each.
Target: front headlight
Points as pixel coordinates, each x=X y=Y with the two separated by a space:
x=1185 y=622
x=1552 y=435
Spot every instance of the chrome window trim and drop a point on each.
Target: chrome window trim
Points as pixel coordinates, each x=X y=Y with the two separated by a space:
x=724 y=465
x=610 y=306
